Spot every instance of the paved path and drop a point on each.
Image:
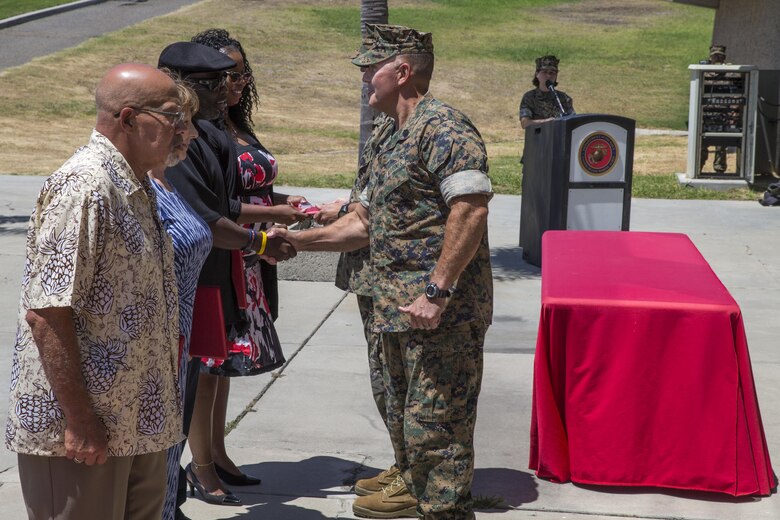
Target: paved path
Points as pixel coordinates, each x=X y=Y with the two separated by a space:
x=41 y=37
x=312 y=429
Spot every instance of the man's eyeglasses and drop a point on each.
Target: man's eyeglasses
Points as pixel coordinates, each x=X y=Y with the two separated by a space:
x=238 y=76
x=174 y=118
x=209 y=84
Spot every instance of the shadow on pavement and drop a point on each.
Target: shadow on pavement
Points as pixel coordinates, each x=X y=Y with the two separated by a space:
x=702 y=496
x=277 y=507
x=508 y=264
x=286 y=485
x=515 y=487
x=13 y=224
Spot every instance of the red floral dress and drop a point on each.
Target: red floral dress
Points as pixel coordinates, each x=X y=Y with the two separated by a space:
x=259 y=349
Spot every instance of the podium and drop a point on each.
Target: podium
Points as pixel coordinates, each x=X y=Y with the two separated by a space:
x=576 y=175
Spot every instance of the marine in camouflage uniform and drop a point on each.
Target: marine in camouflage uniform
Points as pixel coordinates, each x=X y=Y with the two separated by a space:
x=539 y=104
x=542 y=105
x=432 y=377
x=424 y=213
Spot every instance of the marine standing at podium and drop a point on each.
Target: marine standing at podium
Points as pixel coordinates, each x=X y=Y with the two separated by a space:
x=539 y=105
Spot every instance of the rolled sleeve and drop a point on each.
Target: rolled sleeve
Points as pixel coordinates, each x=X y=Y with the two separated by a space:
x=467 y=182
x=526 y=105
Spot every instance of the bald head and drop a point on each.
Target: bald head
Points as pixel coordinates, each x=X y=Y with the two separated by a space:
x=133 y=85
x=134 y=104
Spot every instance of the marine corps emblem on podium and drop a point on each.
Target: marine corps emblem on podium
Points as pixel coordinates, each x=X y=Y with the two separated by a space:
x=598 y=154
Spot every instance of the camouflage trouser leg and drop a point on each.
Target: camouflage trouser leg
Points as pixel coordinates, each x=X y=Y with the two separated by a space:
x=432 y=379
x=366 y=306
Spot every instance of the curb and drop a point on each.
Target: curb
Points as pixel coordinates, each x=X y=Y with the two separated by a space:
x=42 y=13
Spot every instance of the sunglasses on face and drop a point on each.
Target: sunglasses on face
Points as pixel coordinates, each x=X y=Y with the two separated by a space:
x=239 y=76
x=209 y=84
x=174 y=118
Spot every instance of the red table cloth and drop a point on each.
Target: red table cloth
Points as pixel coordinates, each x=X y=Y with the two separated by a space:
x=642 y=375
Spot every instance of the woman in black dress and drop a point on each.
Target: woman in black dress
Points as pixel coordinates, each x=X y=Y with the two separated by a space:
x=258 y=350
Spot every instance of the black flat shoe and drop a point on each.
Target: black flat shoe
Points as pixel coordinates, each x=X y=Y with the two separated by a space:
x=228 y=499
x=236 y=480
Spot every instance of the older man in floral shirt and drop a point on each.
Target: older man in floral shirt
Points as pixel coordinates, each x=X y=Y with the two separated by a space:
x=93 y=403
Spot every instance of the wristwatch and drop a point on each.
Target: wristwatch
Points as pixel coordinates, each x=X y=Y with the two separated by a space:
x=343 y=210
x=432 y=291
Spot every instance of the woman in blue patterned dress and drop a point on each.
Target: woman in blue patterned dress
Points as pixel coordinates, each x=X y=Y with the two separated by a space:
x=191 y=243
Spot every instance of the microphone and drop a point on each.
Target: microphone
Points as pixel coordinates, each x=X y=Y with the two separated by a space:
x=550 y=84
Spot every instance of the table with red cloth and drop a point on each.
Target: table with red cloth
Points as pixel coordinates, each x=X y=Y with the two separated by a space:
x=642 y=375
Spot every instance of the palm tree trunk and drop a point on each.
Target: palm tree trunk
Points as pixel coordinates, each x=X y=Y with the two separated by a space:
x=371 y=11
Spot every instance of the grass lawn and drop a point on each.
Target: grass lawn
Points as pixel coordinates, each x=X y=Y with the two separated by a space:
x=9 y=8
x=617 y=56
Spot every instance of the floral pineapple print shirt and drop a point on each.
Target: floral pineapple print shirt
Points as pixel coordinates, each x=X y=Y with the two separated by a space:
x=95 y=244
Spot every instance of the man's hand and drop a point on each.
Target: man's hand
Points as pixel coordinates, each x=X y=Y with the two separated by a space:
x=425 y=313
x=86 y=440
x=329 y=213
x=277 y=247
x=347 y=234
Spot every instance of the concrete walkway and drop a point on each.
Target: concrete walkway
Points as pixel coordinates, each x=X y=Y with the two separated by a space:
x=310 y=429
x=43 y=35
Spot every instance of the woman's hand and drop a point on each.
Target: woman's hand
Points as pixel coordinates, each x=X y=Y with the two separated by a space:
x=295 y=200
x=286 y=214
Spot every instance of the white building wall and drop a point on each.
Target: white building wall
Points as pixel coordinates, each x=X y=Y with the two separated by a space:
x=750 y=30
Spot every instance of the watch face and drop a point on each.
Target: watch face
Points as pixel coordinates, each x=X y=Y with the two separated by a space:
x=432 y=291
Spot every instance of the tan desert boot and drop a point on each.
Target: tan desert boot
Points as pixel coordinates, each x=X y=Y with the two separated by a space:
x=394 y=501
x=367 y=486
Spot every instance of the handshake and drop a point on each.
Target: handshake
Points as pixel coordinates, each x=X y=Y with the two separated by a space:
x=276 y=246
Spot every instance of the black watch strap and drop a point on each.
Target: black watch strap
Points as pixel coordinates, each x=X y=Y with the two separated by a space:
x=432 y=291
x=343 y=210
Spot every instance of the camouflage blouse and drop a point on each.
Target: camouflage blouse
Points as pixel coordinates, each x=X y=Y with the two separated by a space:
x=95 y=244
x=541 y=105
x=416 y=171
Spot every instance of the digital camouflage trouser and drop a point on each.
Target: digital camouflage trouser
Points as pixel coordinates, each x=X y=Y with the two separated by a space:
x=432 y=382
x=366 y=306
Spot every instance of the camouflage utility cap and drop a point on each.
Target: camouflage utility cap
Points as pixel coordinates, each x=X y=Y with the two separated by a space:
x=547 y=62
x=385 y=41
x=718 y=49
